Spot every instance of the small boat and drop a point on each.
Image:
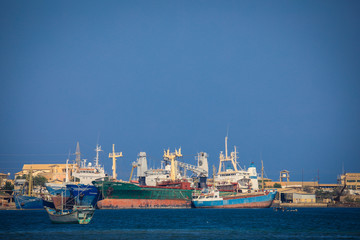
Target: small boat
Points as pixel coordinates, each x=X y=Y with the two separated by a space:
x=79 y=214
x=211 y=198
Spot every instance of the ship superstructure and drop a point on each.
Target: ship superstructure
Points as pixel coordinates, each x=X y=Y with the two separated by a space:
x=231 y=176
x=86 y=173
x=152 y=177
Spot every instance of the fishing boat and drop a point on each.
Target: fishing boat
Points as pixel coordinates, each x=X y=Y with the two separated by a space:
x=231 y=176
x=211 y=198
x=78 y=214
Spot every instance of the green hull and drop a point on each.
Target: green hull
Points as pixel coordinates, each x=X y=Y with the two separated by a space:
x=123 y=190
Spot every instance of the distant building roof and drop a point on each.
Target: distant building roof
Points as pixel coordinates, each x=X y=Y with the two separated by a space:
x=297 y=184
x=44 y=166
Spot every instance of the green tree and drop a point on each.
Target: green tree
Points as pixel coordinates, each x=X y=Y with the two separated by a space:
x=40 y=181
x=21 y=177
x=277 y=185
x=8 y=187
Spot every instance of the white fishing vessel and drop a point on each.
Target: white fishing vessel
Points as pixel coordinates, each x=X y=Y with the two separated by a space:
x=231 y=176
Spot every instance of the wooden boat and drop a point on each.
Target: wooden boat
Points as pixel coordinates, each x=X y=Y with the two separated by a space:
x=79 y=214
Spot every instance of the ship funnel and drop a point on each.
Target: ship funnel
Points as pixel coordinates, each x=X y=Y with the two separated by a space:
x=203 y=162
x=141 y=164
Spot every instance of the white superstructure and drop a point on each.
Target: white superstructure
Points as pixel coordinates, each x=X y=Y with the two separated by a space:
x=232 y=175
x=86 y=173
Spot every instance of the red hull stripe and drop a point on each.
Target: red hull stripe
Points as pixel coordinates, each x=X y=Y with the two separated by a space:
x=142 y=203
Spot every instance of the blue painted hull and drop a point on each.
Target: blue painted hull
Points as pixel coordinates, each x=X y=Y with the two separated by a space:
x=261 y=201
x=85 y=195
x=27 y=202
x=58 y=190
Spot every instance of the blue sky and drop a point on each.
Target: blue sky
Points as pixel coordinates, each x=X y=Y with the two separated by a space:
x=282 y=76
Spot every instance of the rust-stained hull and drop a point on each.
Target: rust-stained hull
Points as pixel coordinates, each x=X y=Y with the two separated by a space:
x=143 y=203
x=62 y=202
x=245 y=205
x=263 y=200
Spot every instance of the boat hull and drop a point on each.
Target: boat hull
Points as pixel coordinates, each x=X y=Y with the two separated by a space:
x=142 y=203
x=65 y=196
x=85 y=195
x=62 y=202
x=81 y=215
x=118 y=195
x=259 y=201
x=28 y=202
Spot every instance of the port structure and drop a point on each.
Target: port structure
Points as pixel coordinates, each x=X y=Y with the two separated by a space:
x=195 y=169
x=171 y=157
x=232 y=158
x=114 y=155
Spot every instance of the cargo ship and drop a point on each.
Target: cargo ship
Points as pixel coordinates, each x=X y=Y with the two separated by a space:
x=170 y=192
x=118 y=195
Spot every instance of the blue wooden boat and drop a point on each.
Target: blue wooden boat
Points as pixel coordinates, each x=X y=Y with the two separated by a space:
x=28 y=202
x=212 y=199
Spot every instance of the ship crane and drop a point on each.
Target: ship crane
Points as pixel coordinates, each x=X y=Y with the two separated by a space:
x=195 y=169
x=171 y=157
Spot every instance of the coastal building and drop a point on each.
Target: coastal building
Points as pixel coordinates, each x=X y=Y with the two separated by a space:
x=304 y=198
x=352 y=180
x=52 y=172
x=3 y=178
x=296 y=196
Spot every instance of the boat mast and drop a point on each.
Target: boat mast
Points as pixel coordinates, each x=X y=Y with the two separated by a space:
x=30 y=182
x=77 y=153
x=262 y=175
x=62 y=201
x=114 y=155
x=67 y=170
x=226 y=150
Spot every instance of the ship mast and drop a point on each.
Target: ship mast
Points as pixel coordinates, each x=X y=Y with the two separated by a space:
x=97 y=149
x=262 y=175
x=226 y=158
x=77 y=153
x=114 y=155
x=171 y=157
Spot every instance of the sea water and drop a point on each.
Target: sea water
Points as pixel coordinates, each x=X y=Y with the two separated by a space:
x=306 y=223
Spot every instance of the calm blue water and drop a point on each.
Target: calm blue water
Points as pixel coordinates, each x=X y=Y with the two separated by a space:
x=327 y=223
